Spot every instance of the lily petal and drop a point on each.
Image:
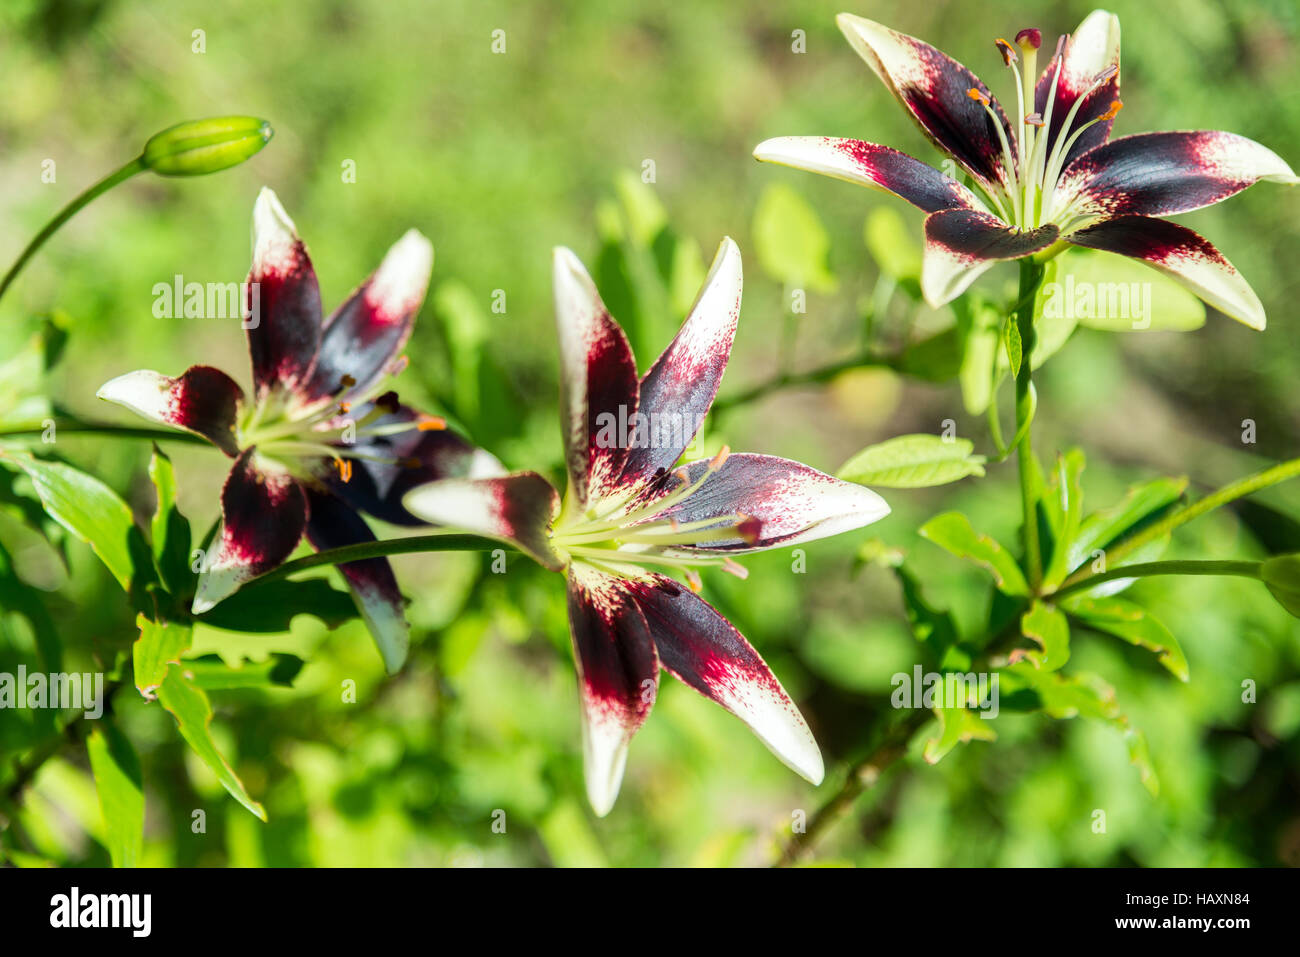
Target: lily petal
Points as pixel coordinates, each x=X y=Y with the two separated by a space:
x=598 y=382
x=516 y=508
x=386 y=467
x=868 y=164
x=202 y=400
x=263 y=515
x=961 y=245
x=333 y=524
x=1158 y=174
x=791 y=502
x=618 y=674
x=1089 y=51
x=1181 y=254
x=702 y=649
x=284 y=310
x=680 y=387
x=935 y=89
x=368 y=331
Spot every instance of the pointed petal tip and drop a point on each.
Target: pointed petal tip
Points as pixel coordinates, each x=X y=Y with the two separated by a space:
x=269 y=215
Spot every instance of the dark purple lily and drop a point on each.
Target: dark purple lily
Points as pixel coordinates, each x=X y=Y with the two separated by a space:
x=1050 y=176
x=322 y=440
x=631 y=514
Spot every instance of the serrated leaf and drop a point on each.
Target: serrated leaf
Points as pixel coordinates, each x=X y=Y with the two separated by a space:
x=116 y=770
x=1046 y=625
x=952 y=531
x=160 y=644
x=1134 y=624
x=193 y=713
x=791 y=242
x=914 y=461
x=88 y=509
x=1114 y=293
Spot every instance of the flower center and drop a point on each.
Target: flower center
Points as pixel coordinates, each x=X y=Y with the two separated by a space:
x=1029 y=198
x=298 y=435
x=618 y=534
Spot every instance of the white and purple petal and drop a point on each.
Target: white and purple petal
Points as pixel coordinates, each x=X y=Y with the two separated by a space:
x=1159 y=174
x=790 y=502
x=677 y=392
x=263 y=516
x=333 y=524
x=1181 y=254
x=202 y=400
x=618 y=676
x=516 y=508
x=962 y=244
x=702 y=649
x=284 y=309
x=598 y=382
x=935 y=89
x=871 y=165
x=367 y=332
x=1088 y=52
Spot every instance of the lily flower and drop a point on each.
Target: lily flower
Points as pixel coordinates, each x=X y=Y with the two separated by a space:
x=631 y=515
x=1047 y=177
x=322 y=439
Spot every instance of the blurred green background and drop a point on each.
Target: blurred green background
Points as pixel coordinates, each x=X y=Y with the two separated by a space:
x=498 y=157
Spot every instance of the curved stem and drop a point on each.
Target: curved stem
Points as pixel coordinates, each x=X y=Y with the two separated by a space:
x=107 y=428
x=1244 y=569
x=377 y=549
x=1031 y=275
x=1238 y=489
x=104 y=185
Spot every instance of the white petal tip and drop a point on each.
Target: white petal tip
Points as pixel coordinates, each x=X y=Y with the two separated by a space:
x=269 y=215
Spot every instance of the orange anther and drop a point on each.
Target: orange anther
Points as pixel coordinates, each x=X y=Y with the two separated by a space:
x=344 y=467
x=431 y=423
x=975 y=94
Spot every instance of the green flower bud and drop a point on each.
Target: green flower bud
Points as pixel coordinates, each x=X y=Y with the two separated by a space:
x=205 y=146
x=1281 y=576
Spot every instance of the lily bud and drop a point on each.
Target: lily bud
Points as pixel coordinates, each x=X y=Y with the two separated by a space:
x=1281 y=576
x=205 y=146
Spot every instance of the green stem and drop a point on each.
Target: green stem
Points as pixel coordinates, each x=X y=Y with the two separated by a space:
x=377 y=549
x=104 y=185
x=1244 y=569
x=107 y=428
x=1242 y=487
x=1031 y=275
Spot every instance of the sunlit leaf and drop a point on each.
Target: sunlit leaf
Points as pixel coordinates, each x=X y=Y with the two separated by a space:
x=791 y=242
x=952 y=531
x=116 y=769
x=1118 y=294
x=914 y=461
x=1134 y=624
x=160 y=644
x=894 y=247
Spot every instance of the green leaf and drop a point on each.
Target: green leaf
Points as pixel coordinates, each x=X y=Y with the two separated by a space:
x=934 y=629
x=1281 y=576
x=1141 y=505
x=791 y=242
x=169 y=529
x=270 y=607
x=1088 y=696
x=914 y=461
x=1134 y=624
x=952 y=531
x=21 y=598
x=935 y=358
x=87 y=508
x=957 y=725
x=1012 y=344
x=116 y=769
x=1046 y=625
x=979 y=322
x=1106 y=291
x=1062 y=502
x=189 y=706
x=892 y=245
x=160 y=644
x=211 y=673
